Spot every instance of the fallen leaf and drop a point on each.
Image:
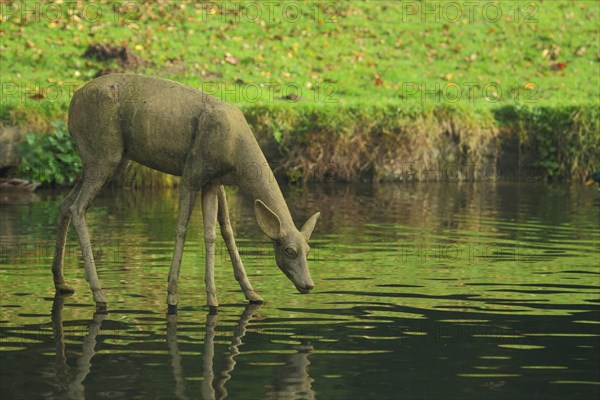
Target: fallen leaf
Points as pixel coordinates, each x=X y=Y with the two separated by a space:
x=529 y=86
x=558 y=66
x=358 y=56
x=231 y=59
x=378 y=80
x=553 y=53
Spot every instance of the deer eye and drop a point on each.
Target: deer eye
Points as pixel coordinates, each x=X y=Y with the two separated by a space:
x=291 y=253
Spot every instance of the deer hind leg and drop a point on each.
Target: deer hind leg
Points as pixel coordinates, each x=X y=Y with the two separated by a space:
x=210 y=207
x=62 y=223
x=238 y=267
x=187 y=199
x=94 y=177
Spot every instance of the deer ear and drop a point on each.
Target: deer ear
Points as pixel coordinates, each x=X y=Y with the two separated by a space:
x=309 y=226
x=268 y=221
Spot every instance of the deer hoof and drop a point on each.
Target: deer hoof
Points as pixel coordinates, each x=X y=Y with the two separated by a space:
x=254 y=298
x=211 y=300
x=213 y=310
x=172 y=309
x=63 y=288
x=101 y=307
x=172 y=299
x=99 y=297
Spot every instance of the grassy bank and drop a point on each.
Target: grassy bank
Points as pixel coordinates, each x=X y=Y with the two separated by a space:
x=384 y=90
x=386 y=143
x=443 y=142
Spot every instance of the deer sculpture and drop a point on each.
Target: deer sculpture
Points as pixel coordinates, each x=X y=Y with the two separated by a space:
x=181 y=131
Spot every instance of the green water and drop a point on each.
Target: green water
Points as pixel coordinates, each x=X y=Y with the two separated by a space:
x=422 y=291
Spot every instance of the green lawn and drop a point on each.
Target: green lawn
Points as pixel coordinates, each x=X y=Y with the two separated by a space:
x=351 y=52
x=482 y=57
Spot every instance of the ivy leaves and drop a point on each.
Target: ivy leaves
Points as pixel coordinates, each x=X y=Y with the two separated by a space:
x=51 y=158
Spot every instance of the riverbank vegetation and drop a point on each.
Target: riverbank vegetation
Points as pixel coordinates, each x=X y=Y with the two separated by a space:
x=378 y=90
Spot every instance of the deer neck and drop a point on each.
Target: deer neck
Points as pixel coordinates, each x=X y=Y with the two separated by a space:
x=255 y=177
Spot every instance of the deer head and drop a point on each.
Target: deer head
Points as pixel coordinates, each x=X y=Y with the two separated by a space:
x=291 y=246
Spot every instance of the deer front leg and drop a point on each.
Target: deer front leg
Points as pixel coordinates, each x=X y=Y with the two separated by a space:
x=187 y=200
x=209 y=215
x=62 y=222
x=238 y=267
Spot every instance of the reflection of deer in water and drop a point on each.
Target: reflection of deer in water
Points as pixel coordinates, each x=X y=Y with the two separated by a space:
x=292 y=381
x=211 y=388
x=73 y=389
x=292 y=378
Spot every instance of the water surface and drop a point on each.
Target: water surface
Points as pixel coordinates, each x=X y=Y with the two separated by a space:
x=424 y=291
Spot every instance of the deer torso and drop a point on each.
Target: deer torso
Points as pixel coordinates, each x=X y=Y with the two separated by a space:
x=158 y=121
